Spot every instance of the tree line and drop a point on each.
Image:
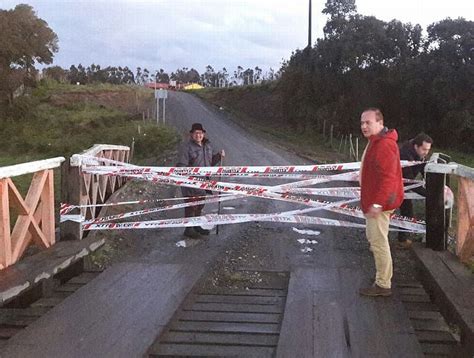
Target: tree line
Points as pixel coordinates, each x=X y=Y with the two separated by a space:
x=124 y=75
x=421 y=82
x=26 y=40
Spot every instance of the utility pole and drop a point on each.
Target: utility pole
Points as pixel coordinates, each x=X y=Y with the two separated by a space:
x=309 y=26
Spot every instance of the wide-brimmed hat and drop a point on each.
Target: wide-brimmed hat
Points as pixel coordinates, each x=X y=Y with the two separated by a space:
x=197 y=127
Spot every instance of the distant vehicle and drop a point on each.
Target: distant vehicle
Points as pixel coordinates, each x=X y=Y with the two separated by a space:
x=157 y=85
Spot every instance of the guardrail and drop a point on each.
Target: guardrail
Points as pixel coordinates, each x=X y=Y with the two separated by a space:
x=35 y=221
x=437 y=218
x=79 y=188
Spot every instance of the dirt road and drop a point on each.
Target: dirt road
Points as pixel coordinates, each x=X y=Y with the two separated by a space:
x=252 y=246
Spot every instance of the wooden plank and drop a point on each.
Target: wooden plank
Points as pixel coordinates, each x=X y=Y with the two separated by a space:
x=415 y=298
x=424 y=315
x=463 y=277
x=411 y=291
x=28 y=311
x=438 y=349
x=435 y=337
x=261 y=300
x=84 y=278
x=47 y=209
x=221 y=327
x=366 y=334
x=133 y=300
x=251 y=292
x=399 y=335
x=212 y=351
x=296 y=336
x=61 y=294
x=47 y=302
x=465 y=235
x=267 y=340
x=68 y=287
x=8 y=332
x=420 y=306
x=17 y=279
x=5 y=238
x=230 y=317
x=71 y=189
x=30 y=167
x=329 y=326
x=77 y=159
x=16 y=320
x=405 y=284
x=452 y=285
x=436 y=234
x=430 y=325
x=231 y=307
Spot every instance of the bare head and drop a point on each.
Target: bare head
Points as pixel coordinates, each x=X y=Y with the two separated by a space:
x=422 y=144
x=371 y=122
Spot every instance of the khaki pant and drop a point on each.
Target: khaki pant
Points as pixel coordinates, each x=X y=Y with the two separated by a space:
x=377 y=235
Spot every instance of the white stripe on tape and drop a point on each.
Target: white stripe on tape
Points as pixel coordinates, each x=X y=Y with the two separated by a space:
x=120 y=168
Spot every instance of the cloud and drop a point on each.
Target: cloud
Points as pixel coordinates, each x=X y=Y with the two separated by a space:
x=172 y=34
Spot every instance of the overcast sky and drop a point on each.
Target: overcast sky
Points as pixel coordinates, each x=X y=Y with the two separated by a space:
x=171 y=34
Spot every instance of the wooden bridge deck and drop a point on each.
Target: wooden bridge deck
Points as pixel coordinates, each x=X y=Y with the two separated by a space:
x=125 y=309
x=118 y=314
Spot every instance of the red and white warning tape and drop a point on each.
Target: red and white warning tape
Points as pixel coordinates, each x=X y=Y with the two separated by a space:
x=192 y=177
x=118 y=168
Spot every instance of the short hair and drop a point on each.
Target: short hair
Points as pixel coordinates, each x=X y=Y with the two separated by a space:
x=377 y=111
x=422 y=137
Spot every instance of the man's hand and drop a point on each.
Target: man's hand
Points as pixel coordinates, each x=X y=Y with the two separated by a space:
x=222 y=153
x=374 y=211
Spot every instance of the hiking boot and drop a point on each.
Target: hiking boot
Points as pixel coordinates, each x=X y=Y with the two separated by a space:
x=191 y=233
x=403 y=245
x=375 y=290
x=201 y=230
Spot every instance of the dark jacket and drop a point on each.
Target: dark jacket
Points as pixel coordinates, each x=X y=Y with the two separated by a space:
x=192 y=154
x=381 y=177
x=408 y=152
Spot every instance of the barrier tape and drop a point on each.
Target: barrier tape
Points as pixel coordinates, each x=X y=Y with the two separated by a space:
x=66 y=208
x=345 y=192
x=163 y=208
x=214 y=219
x=283 y=192
x=125 y=168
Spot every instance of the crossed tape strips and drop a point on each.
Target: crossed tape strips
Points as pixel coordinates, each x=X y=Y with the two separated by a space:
x=198 y=178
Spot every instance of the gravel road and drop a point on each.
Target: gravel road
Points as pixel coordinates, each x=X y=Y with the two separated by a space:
x=251 y=246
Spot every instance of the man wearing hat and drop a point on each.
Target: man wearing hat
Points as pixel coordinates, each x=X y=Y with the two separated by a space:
x=197 y=152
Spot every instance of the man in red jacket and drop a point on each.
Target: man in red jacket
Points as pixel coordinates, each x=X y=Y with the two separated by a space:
x=381 y=193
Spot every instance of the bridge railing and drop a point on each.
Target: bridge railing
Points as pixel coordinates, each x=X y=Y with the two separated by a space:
x=437 y=217
x=82 y=189
x=31 y=219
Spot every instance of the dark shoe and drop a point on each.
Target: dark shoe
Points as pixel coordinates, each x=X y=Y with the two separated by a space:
x=403 y=245
x=191 y=233
x=375 y=290
x=201 y=230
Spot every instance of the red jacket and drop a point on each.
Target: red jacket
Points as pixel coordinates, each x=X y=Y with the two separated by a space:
x=381 y=177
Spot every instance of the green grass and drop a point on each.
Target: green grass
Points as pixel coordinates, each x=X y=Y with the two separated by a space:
x=34 y=129
x=41 y=130
x=48 y=87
